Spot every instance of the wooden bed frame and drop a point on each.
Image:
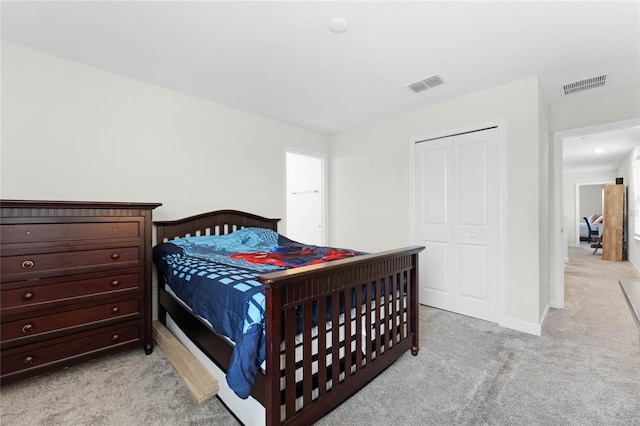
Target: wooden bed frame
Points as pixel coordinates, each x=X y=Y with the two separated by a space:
x=300 y=287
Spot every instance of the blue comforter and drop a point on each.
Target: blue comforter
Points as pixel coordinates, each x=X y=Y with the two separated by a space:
x=216 y=277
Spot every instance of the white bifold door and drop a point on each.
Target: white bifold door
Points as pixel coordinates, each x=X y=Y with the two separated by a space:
x=457 y=207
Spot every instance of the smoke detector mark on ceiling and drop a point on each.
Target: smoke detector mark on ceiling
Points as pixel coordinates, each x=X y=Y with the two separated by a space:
x=427 y=83
x=584 y=84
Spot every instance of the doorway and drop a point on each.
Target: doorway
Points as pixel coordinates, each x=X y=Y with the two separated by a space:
x=589 y=200
x=457 y=220
x=560 y=237
x=305 y=197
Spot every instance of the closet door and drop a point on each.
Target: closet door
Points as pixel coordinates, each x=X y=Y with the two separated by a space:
x=457 y=221
x=434 y=220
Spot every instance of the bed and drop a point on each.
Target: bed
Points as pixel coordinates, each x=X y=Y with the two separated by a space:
x=329 y=328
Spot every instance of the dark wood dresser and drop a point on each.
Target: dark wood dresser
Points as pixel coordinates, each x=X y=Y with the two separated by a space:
x=75 y=283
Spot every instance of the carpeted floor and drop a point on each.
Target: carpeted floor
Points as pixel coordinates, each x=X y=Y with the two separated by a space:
x=583 y=370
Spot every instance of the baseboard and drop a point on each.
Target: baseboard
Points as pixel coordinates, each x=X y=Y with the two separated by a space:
x=544 y=315
x=554 y=305
x=523 y=326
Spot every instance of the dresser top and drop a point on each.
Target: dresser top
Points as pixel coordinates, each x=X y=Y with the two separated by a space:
x=75 y=204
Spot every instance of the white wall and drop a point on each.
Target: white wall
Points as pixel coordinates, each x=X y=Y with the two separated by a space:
x=590 y=201
x=73 y=132
x=544 y=157
x=626 y=172
x=371 y=199
x=609 y=108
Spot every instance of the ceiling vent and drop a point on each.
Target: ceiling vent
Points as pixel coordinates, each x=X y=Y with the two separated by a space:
x=584 y=84
x=427 y=83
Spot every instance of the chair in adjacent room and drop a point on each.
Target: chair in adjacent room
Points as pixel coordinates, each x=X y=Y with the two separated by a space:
x=594 y=239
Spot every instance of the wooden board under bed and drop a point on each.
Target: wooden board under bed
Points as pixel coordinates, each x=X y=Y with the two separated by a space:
x=376 y=343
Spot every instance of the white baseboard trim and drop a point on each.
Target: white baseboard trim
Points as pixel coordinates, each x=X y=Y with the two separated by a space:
x=523 y=326
x=544 y=315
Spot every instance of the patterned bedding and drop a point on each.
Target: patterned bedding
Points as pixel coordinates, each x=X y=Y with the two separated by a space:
x=216 y=277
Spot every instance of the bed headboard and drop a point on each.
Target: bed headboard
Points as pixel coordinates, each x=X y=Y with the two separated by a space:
x=219 y=222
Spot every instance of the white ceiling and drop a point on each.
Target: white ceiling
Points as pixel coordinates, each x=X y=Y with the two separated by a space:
x=581 y=153
x=279 y=59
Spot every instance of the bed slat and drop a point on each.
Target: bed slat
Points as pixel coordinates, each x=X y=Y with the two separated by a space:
x=307 y=360
x=290 y=362
x=322 y=347
x=358 y=316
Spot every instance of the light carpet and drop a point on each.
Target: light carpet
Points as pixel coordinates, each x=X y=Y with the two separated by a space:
x=583 y=370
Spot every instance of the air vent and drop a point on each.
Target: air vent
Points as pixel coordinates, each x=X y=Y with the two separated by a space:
x=427 y=83
x=584 y=84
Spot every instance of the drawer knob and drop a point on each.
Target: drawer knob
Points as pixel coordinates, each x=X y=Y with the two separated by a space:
x=27 y=328
x=27 y=360
x=115 y=283
x=115 y=338
x=27 y=296
x=27 y=264
x=115 y=256
x=115 y=310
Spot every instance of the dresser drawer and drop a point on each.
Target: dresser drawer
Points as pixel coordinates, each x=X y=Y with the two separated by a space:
x=69 y=231
x=38 y=263
x=39 y=294
x=65 y=350
x=30 y=328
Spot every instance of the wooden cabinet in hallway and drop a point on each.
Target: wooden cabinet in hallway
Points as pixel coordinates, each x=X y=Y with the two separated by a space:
x=613 y=231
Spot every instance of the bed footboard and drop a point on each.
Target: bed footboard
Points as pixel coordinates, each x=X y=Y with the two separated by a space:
x=375 y=298
x=330 y=328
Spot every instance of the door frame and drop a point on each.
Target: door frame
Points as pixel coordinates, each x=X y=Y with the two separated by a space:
x=324 y=185
x=502 y=197
x=559 y=254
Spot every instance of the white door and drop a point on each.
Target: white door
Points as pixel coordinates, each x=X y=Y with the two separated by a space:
x=457 y=209
x=305 y=198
